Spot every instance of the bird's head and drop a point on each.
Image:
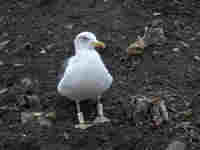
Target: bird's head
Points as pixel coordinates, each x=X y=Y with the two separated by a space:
x=87 y=41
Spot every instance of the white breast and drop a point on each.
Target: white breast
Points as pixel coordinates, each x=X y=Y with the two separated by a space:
x=85 y=78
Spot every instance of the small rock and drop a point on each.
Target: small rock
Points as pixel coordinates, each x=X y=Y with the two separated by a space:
x=26 y=116
x=198 y=33
x=3 y=91
x=51 y=115
x=137 y=108
x=23 y=5
x=192 y=39
x=23 y=135
x=1 y=122
x=116 y=24
x=156 y=14
x=1 y=63
x=157 y=53
x=33 y=98
x=136 y=48
x=187 y=114
x=197 y=122
x=18 y=65
x=43 y=51
x=44 y=122
x=3 y=44
x=37 y=114
x=32 y=101
x=157 y=23
x=9 y=108
x=154 y=35
x=164 y=111
x=176 y=49
x=2 y=19
x=140 y=107
x=176 y=145
x=69 y=26
x=197 y=58
x=50 y=32
x=4 y=34
x=26 y=82
x=28 y=46
x=185 y=44
x=123 y=37
x=43 y=2
x=66 y=135
x=50 y=46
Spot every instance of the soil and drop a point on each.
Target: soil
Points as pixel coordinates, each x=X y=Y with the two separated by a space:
x=41 y=34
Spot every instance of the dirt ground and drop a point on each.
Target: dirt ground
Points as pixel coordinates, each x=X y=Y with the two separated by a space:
x=35 y=38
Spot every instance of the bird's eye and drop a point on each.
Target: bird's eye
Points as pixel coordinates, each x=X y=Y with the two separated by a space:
x=85 y=38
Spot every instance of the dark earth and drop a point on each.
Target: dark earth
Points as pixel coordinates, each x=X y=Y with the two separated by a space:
x=35 y=38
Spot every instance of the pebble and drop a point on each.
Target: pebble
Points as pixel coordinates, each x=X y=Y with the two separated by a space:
x=26 y=116
x=3 y=91
x=176 y=145
x=156 y=14
x=44 y=122
x=163 y=108
x=18 y=65
x=50 y=46
x=176 y=49
x=26 y=82
x=1 y=63
x=69 y=26
x=43 y=51
x=33 y=101
x=27 y=45
x=192 y=39
x=197 y=58
x=157 y=53
x=197 y=122
x=198 y=33
x=3 y=44
x=185 y=44
x=35 y=116
x=4 y=34
x=66 y=135
x=2 y=19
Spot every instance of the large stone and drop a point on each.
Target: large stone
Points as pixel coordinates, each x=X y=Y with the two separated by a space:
x=176 y=145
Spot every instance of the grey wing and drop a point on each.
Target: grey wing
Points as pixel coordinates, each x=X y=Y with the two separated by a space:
x=63 y=68
x=66 y=63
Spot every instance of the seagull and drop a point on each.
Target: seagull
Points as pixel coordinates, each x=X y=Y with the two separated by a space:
x=86 y=77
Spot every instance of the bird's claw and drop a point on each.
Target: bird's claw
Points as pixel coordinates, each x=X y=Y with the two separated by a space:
x=101 y=119
x=83 y=126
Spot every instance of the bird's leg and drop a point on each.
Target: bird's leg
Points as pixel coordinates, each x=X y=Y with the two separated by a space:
x=82 y=124
x=79 y=113
x=100 y=115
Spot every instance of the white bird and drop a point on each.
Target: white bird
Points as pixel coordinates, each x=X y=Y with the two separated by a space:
x=86 y=76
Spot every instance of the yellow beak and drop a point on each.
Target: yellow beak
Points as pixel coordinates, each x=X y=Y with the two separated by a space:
x=98 y=44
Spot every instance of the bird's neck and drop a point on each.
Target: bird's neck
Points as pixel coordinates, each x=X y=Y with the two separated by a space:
x=83 y=51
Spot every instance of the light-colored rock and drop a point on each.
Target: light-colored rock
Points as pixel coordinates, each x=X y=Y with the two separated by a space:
x=176 y=49
x=2 y=91
x=176 y=145
x=1 y=63
x=156 y=14
x=3 y=44
x=197 y=58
